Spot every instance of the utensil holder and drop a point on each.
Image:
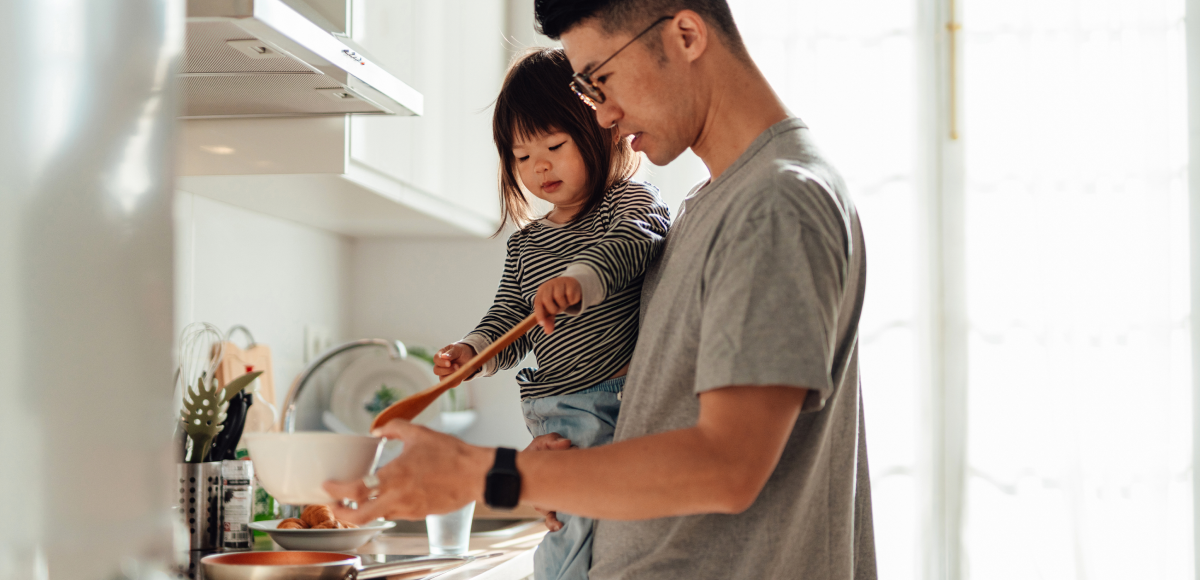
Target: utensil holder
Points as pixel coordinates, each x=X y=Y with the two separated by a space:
x=200 y=503
x=188 y=566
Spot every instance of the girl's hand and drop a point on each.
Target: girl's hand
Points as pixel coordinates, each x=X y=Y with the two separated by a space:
x=550 y=442
x=554 y=296
x=452 y=358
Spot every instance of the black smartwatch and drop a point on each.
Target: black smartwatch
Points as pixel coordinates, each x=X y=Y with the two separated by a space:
x=502 y=488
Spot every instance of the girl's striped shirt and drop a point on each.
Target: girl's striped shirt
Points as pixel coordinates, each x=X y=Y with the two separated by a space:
x=607 y=251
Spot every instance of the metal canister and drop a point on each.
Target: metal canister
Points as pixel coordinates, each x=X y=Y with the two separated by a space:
x=200 y=503
x=237 y=493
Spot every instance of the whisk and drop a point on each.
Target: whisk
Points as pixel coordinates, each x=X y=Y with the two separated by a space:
x=201 y=346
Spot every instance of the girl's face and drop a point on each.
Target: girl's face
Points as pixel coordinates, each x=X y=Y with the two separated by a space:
x=552 y=168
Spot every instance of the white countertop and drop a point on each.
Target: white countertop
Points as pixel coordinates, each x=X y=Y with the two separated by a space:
x=515 y=563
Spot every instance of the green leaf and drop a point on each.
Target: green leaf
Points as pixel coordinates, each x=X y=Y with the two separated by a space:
x=382 y=399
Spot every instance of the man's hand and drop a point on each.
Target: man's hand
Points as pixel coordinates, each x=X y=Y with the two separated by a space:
x=452 y=358
x=554 y=296
x=436 y=474
x=550 y=442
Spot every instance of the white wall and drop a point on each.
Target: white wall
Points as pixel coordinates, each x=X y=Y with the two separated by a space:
x=674 y=180
x=430 y=292
x=235 y=266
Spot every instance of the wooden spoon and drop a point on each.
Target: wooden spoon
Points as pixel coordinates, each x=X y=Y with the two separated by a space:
x=411 y=406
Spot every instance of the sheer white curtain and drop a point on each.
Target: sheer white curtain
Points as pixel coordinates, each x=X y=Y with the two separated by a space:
x=1074 y=274
x=1079 y=397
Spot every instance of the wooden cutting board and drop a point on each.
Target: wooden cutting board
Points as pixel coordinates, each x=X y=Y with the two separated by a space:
x=237 y=362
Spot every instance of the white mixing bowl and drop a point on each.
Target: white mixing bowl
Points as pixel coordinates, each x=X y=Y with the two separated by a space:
x=292 y=466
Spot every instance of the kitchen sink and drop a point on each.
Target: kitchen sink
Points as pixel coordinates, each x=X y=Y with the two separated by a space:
x=481 y=527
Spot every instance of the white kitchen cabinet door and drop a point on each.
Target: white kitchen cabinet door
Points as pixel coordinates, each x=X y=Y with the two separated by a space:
x=454 y=53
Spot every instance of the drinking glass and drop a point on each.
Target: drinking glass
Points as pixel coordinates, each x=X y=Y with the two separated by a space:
x=450 y=534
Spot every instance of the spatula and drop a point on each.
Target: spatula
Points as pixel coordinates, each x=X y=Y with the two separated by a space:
x=411 y=406
x=203 y=412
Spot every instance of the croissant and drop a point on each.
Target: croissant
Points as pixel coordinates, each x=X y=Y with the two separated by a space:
x=328 y=525
x=316 y=514
x=291 y=524
x=347 y=524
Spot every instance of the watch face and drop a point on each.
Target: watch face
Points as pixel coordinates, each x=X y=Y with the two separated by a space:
x=503 y=490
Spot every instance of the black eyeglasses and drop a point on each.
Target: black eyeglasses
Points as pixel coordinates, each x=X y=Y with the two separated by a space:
x=582 y=83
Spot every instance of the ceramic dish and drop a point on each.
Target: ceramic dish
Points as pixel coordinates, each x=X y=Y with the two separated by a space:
x=322 y=540
x=375 y=381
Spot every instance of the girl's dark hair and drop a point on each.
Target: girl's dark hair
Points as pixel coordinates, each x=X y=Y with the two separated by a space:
x=535 y=100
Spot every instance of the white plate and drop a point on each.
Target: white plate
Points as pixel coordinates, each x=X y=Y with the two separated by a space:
x=322 y=540
x=356 y=387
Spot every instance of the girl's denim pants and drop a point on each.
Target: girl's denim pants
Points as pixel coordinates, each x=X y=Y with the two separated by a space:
x=588 y=419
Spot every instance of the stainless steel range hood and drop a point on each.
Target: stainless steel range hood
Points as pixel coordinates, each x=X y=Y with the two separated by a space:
x=263 y=58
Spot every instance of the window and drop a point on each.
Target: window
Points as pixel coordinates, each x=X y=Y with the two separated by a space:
x=1078 y=388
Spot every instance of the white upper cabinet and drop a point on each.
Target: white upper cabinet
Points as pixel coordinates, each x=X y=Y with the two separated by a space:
x=454 y=52
x=376 y=175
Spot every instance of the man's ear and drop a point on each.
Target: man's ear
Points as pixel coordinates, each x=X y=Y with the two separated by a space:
x=689 y=34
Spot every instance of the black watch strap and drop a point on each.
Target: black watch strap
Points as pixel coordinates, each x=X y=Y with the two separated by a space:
x=502 y=489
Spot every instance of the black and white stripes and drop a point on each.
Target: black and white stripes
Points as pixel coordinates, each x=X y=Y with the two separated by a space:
x=613 y=244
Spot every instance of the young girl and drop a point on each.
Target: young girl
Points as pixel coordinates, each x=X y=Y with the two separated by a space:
x=585 y=258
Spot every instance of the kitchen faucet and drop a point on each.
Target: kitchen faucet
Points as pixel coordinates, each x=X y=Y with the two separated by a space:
x=287 y=423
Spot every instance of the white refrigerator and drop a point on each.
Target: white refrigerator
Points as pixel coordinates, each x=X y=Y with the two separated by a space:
x=87 y=108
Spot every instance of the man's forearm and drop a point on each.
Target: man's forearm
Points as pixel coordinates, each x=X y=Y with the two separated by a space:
x=717 y=466
x=669 y=474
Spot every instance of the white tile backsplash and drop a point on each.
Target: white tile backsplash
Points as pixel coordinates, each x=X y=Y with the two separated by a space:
x=430 y=292
x=235 y=266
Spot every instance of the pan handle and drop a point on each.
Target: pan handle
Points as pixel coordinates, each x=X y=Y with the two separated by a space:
x=431 y=564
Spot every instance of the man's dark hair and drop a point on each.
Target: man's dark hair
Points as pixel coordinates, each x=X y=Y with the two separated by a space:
x=554 y=17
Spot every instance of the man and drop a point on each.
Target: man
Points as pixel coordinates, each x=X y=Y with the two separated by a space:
x=740 y=450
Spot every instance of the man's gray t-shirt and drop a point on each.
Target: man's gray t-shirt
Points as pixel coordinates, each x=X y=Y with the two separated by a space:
x=760 y=283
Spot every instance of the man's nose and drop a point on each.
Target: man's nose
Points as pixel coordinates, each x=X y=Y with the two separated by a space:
x=607 y=114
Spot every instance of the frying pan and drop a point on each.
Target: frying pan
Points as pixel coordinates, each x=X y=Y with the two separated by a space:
x=313 y=566
x=411 y=406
